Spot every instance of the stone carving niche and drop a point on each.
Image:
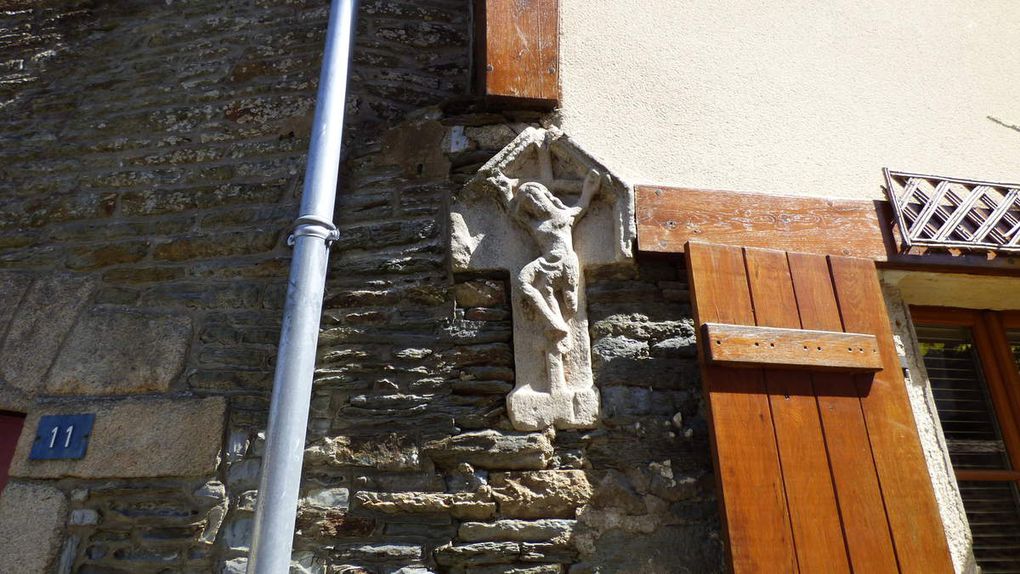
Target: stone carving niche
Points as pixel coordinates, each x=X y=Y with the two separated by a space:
x=546 y=213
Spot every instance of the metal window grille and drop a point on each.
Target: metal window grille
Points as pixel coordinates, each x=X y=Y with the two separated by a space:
x=950 y=213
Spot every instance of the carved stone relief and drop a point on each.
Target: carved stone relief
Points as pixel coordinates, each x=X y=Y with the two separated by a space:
x=545 y=212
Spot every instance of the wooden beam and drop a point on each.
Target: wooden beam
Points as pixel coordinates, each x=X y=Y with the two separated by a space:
x=748 y=346
x=668 y=217
x=517 y=51
x=992 y=475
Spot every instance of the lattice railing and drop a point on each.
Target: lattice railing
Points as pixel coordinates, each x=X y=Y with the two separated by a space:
x=945 y=212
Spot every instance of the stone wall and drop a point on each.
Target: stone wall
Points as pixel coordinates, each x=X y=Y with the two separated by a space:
x=413 y=465
x=150 y=166
x=151 y=157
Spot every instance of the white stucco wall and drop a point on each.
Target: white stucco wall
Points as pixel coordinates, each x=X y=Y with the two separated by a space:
x=795 y=96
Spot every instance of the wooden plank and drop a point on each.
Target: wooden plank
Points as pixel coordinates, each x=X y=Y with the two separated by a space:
x=918 y=535
x=988 y=475
x=744 y=346
x=667 y=218
x=814 y=515
x=549 y=50
x=522 y=50
x=752 y=497
x=865 y=526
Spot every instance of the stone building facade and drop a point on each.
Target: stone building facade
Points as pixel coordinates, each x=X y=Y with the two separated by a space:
x=152 y=160
x=150 y=170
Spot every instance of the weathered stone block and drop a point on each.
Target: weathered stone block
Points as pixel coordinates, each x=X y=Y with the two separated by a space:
x=540 y=494
x=83 y=517
x=481 y=354
x=113 y=352
x=334 y=498
x=217 y=245
x=135 y=439
x=333 y=523
x=390 y=452
x=516 y=530
x=517 y=569
x=96 y=256
x=381 y=552
x=608 y=348
x=13 y=285
x=471 y=387
x=481 y=293
x=478 y=553
x=42 y=321
x=461 y=505
x=31 y=525
x=492 y=450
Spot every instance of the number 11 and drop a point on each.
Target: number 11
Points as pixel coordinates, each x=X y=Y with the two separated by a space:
x=56 y=431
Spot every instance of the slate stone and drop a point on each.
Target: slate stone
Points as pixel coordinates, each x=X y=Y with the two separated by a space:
x=461 y=505
x=516 y=530
x=492 y=450
x=540 y=494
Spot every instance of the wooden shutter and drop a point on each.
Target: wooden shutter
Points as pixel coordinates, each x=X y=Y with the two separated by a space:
x=819 y=469
x=517 y=45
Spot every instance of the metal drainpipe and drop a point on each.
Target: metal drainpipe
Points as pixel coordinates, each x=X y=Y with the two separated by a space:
x=276 y=509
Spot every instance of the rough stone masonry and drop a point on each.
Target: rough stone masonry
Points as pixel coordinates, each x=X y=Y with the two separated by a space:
x=151 y=156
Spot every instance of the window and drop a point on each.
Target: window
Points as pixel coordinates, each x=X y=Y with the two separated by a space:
x=973 y=363
x=10 y=430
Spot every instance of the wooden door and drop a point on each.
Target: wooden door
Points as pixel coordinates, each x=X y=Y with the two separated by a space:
x=819 y=468
x=10 y=430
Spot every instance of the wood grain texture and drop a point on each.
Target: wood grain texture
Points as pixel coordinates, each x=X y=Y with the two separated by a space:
x=743 y=346
x=814 y=516
x=918 y=535
x=667 y=218
x=859 y=496
x=745 y=454
x=522 y=50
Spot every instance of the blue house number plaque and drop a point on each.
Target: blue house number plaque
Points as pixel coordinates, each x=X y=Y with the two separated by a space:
x=62 y=437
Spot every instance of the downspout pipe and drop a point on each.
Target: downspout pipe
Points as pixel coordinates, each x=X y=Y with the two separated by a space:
x=314 y=232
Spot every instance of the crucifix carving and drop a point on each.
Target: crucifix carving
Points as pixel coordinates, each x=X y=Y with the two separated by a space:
x=544 y=212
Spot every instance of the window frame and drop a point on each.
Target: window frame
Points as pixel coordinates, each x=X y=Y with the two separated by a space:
x=988 y=329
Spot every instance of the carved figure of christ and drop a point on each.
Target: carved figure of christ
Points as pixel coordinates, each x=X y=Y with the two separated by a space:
x=550 y=283
x=544 y=229
x=549 y=290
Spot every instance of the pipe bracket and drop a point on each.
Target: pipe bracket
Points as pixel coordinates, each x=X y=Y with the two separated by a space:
x=312 y=226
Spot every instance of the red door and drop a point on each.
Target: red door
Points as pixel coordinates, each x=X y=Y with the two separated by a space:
x=10 y=430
